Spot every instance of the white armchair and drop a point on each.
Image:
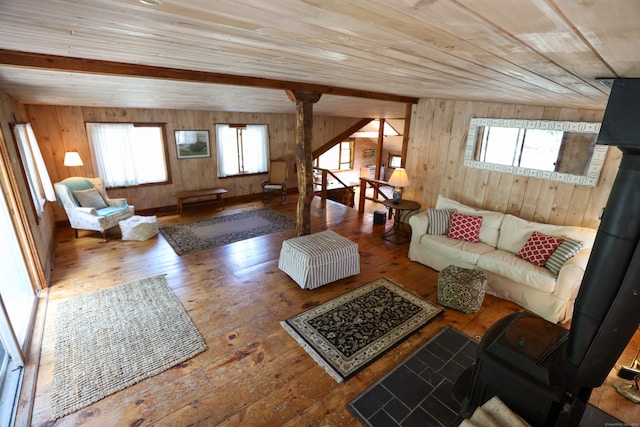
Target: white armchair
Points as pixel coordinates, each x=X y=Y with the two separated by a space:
x=88 y=207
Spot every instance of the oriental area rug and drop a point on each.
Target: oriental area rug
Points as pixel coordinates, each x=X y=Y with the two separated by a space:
x=349 y=332
x=222 y=230
x=113 y=338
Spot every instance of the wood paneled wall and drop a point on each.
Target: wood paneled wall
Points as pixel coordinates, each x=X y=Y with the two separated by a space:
x=435 y=166
x=434 y=161
x=61 y=129
x=42 y=229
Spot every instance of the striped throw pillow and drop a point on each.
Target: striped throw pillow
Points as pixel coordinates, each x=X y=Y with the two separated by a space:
x=439 y=220
x=567 y=249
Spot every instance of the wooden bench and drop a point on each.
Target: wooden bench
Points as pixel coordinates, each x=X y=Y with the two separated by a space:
x=184 y=195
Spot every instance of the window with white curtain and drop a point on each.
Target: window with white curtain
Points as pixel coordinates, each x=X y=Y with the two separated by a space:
x=35 y=170
x=128 y=154
x=242 y=149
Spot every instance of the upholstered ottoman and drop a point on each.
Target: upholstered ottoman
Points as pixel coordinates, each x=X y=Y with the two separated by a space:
x=139 y=227
x=317 y=259
x=461 y=289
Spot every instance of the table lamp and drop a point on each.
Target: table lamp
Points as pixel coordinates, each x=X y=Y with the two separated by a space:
x=72 y=159
x=398 y=179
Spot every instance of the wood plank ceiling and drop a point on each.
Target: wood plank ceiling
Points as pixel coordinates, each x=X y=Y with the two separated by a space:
x=538 y=52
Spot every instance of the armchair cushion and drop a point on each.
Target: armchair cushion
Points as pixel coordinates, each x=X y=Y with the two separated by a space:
x=110 y=210
x=90 y=198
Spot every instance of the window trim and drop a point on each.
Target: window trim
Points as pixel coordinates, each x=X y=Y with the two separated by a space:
x=240 y=126
x=165 y=143
x=350 y=162
x=44 y=187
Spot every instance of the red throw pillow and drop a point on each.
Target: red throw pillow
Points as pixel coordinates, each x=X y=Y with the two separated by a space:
x=539 y=248
x=464 y=227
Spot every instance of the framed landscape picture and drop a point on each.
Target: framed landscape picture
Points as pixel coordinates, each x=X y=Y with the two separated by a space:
x=192 y=143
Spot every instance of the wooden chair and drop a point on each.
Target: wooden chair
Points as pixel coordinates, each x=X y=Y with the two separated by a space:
x=277 y=181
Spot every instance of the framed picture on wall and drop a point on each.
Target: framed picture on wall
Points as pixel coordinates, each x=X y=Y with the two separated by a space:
x=192 y=143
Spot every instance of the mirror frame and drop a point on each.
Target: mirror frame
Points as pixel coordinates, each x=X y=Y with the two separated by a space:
x=595 y=164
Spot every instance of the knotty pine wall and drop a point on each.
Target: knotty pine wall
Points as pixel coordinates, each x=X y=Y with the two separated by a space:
x=43 y=228
x=61 y=128
x=435 y=165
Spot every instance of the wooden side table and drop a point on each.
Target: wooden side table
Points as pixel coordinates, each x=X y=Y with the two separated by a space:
x=398 y=234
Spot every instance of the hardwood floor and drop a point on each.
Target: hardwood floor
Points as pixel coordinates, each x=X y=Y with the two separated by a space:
x=254 y=373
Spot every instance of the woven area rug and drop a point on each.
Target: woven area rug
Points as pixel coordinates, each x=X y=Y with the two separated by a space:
x=347 y=333
x=222 y=230
x=113 y=338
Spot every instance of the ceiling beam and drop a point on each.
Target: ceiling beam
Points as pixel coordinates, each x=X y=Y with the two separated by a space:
x=94 y=66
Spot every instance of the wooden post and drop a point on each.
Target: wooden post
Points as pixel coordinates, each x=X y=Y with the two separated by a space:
x=304 y=157
x=363 y=191
x=405 y=134
x=325 y=182
x=379 y=151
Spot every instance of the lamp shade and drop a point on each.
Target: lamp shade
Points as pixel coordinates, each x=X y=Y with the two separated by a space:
x=399 y=178
x=72 y=158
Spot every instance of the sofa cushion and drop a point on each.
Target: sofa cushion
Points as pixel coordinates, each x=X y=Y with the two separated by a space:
x=567 y=249
x=539 y=248
x=491 y=220
x=464 y=227
x=439 y=220
x=507 y=265
x=514 y=233
x=459 y=250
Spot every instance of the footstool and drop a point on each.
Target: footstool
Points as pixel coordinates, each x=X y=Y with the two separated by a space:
x=139 y=227
x=317 y=259
x=462 y=289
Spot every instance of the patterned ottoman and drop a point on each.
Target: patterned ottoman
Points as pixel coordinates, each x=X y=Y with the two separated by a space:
x=317 y=259
x=461 y=289
x=139 y=227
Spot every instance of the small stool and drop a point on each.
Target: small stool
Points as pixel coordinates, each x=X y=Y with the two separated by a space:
x=139 y=228
x=317 y=259
x=461 y=289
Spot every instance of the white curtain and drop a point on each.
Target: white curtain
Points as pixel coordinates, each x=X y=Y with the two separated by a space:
x=255 y=149
x=255 y=144
x=227 y=148
x=111 y=152
x=35 y=169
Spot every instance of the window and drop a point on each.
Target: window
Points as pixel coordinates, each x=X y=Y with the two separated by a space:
x=242 y=149
x=527 y=148
x=338 y=157
x=34 y=168
x=395 y=161
x=128 y=154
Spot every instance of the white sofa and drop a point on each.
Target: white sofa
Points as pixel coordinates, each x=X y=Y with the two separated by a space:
x=510 y=277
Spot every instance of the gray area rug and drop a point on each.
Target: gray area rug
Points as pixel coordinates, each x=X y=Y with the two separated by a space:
x=349 y=332
x=222 y=230
x=113 y=338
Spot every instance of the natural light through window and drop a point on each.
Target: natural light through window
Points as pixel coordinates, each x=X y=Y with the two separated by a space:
x=35 y=170
x=338 y=157
x=527 y=148
x=242 y=149
x=125 y=154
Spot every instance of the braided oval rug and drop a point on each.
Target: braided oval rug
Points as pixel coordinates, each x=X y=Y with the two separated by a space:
x=113 y=338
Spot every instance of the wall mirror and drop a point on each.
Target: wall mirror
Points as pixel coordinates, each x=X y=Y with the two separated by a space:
x=558 y=151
